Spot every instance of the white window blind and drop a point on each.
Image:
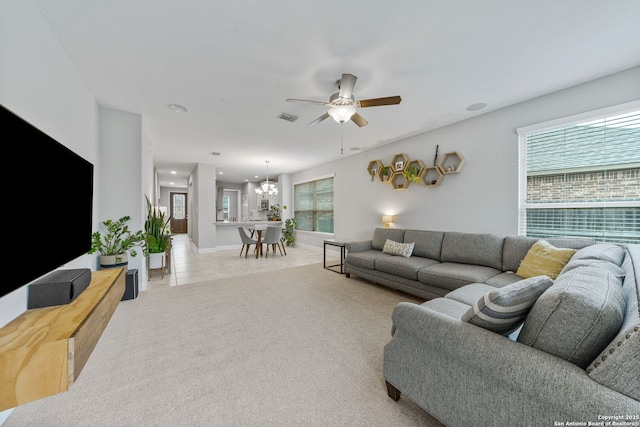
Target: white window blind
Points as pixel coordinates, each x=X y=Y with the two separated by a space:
x=582 y=178
x=314 y=205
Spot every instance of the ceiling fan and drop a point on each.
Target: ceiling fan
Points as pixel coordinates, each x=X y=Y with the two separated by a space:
x=342 y=105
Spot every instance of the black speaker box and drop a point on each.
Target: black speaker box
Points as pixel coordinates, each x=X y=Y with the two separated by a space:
x=58 y=288
x=131 y=289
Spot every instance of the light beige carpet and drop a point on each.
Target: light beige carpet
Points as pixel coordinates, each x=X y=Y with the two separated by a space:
x=301 y=346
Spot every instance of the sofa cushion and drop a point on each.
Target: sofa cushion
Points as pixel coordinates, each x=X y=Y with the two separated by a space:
x=516 y=247
x=577 y=317
x=503 y=279
x=596 y=263
x=544 y=259
x=603 y=251
x=403 y=267
x=449 y=275
x=503 y=310
x=428 y=243
x=380 y=235
x=450 y=307
x=617 y=365
x=364 y=259
x=476 y=249
x=396 y=248
x=470 y=293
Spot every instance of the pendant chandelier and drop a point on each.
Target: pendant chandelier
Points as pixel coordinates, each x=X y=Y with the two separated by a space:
x=266 y=188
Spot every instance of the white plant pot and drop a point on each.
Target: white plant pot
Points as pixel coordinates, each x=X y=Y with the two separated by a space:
x=113 y=261
x=156 y=260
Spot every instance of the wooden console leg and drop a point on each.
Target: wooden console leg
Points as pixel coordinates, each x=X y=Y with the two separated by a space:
x=393 y=392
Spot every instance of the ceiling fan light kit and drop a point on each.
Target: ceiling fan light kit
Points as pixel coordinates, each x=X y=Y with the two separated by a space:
x=343 y=106
x=342 y=113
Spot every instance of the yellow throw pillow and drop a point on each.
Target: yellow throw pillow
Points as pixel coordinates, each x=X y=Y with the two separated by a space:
x=544 y=259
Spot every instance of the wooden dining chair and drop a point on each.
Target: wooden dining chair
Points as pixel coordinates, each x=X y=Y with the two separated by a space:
x=246 y=241
x=282 y=243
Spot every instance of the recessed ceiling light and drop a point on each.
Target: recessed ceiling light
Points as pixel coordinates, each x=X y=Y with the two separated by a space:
x=221 y=173
x=173 y=172
x=177 y=108
x=476 y=107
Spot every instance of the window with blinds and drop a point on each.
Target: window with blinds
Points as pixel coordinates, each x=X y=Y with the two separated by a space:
x=313 y=205
x=582 y=178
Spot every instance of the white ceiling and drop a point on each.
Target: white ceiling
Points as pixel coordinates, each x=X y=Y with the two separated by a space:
x=233 y=64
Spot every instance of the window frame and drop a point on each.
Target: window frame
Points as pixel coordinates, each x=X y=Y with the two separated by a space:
x=524 y=132
x=315 y=211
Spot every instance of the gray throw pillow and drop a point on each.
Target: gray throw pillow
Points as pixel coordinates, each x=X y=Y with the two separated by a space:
x=503 y=310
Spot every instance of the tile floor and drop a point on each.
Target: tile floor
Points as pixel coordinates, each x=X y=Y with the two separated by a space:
x=189 y=266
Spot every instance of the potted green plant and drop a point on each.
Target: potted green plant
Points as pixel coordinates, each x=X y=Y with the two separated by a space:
x=117 y=243
x=157 y=235
x=289 y=227
x=412 y=173
x=385 y=172
x=276 y=209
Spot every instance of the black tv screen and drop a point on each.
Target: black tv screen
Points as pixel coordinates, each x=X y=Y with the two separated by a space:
x=48 y=212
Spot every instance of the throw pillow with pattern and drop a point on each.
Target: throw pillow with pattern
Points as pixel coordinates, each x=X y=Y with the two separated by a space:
x=396 y=248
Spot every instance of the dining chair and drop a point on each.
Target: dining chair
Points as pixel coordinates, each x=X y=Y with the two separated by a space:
x=272 y=237
x=282 y=242
x=246 y=241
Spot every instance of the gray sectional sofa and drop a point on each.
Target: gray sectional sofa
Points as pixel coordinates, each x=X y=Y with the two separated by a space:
x=573 y=360
x=442 y=261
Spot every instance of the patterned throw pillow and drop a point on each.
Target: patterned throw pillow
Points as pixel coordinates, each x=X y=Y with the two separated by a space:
x=502 y=310
x=544 y=259
x=395 y=248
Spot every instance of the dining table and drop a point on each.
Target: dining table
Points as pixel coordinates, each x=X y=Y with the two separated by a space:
x=257 y=229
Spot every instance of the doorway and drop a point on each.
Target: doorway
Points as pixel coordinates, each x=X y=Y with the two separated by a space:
x=178 y=208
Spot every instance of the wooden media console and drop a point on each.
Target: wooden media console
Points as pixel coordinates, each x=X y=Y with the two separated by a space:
x=43 y=351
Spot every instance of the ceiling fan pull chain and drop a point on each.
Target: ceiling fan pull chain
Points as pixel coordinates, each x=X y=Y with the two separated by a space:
x=341 y=138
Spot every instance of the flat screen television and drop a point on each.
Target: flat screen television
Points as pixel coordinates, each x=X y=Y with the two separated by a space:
x=48 y=203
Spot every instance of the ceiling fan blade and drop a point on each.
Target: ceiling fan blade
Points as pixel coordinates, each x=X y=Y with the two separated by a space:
x=347 y=83
x=306 y=100
x=376 y=102
x=359 y=120
x=319 y=119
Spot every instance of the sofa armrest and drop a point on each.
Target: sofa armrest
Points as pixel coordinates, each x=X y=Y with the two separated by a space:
x=435 y=359
x=359 y=246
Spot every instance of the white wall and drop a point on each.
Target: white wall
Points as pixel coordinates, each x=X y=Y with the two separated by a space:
x=202 y=210
x=39 y=83
x=482 y=198
x=120 y=190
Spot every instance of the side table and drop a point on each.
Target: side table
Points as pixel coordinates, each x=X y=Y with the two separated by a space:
x=343 y=249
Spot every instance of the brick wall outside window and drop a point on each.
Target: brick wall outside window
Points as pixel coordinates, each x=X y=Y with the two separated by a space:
x=616 y=185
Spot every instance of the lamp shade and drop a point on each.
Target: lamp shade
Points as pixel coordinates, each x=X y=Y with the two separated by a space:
x=387 y=219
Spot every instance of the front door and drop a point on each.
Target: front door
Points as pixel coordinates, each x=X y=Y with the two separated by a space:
x=178 y=206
